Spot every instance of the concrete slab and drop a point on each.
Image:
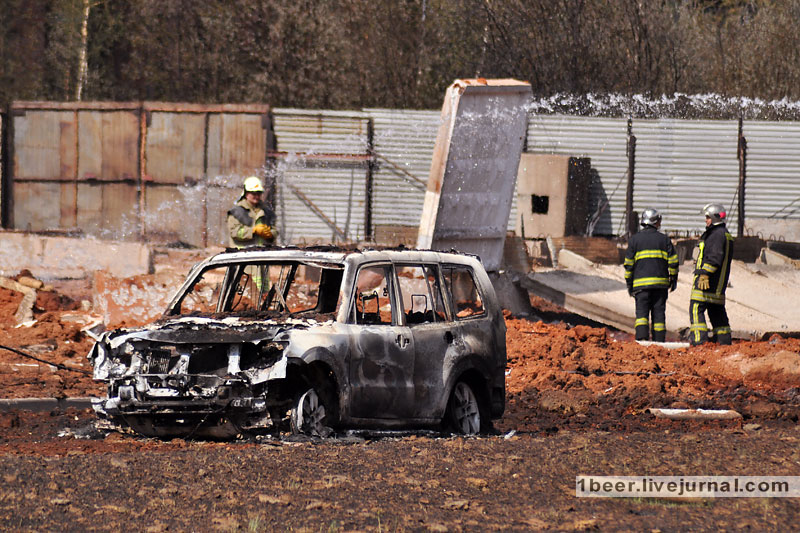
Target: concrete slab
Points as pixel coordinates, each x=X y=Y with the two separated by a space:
x=667 y=345
x=51 y=258
x=474 y=168
x=771 y=257
x=761 y=299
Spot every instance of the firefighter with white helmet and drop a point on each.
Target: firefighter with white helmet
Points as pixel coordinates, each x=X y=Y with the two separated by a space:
x=250 y=221
x=651 y=270
x=712 y=270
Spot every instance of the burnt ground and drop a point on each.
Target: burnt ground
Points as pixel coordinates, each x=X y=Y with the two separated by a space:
x=576 y=404
x=525 y=482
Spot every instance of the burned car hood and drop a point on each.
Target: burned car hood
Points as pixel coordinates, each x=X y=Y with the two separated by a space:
x=195 y=331
x=199 y=330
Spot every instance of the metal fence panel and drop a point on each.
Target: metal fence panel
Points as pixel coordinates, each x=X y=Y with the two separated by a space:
x=108 y=144
x=321 y=176
x=236 y=148
x=773 y=171
x=604 y=140
x=237 y=144
x=175 y=146
x=108 y=174
x=681 y=165
x=404 y=142
x=44 y=164
x=44 y=145
x=76 y=165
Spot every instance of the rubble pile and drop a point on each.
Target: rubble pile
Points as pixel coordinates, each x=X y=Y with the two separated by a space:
x=557 y=374
x=51 y=331
x=578 y=372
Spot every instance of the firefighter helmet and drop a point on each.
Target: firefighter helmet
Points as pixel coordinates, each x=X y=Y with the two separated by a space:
x=716 y=212
x=253 y=184
x=651 y=217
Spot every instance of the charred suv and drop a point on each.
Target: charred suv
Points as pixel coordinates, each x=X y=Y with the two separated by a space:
x=312 y=340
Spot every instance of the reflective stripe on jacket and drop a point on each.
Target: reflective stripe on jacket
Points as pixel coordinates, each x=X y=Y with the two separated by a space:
x=715 y=253
x=650 y=261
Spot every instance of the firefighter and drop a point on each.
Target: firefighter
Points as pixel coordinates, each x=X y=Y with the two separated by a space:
x=651 y=269
x=711 y=272
x=250 y=221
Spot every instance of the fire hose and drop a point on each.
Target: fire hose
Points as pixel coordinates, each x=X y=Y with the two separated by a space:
x=57 y=365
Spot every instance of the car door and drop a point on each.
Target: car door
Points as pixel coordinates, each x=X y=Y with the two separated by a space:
x=433 y=331
x=381 y=358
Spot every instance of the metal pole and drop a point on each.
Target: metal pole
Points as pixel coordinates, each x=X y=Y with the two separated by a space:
x=75 y=188
x=204 y=236
x=741 y=154
x=143 y=123
x=5 y=171
x=630 y=223
x=368 y=233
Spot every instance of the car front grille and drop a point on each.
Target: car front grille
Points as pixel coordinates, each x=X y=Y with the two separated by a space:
x=158 y=361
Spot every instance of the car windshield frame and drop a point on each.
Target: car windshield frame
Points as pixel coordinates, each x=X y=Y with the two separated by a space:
x=271 y=297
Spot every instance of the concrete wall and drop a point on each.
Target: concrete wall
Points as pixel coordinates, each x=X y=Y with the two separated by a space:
x=64 y=257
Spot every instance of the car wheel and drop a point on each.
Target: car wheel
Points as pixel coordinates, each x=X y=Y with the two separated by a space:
x=463 y=410
x=309 y=416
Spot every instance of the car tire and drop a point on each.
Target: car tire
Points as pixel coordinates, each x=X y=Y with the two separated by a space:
x=309 y=415
x=464 y=413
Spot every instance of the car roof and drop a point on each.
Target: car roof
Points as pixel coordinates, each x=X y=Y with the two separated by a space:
x=332 y=254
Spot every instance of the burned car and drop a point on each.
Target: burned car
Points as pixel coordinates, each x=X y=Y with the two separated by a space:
x=310 y=340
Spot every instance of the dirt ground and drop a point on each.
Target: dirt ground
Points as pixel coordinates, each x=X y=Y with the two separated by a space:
x=577 y=396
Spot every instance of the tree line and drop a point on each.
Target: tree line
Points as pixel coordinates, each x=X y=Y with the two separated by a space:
x=349 y=54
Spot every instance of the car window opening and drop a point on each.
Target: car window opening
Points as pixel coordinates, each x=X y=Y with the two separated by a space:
x=263 y=290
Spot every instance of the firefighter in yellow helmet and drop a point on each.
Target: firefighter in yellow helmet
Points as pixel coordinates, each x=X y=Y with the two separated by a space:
x=711 y=272
x=250 y=221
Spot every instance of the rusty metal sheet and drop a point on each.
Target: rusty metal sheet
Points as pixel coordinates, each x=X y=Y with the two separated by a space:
x=236 y=144
x=109 y=210
x=183 y=107
x=219 y=199
x=33 y=205
x=174 y=146
x=44 y=146
x=169 y=107
x=474 y=168
x=45 y=205
x=109 y=145
x=173 y=214
x=90 y=207
x=69 y=205
x=41 y=105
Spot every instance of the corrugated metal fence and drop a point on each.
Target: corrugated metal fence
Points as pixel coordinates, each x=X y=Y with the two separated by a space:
x=169 y=172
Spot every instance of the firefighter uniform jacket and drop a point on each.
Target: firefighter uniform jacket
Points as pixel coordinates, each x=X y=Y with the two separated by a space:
x=242 y=218
x=651 y=261
x=714 y=260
